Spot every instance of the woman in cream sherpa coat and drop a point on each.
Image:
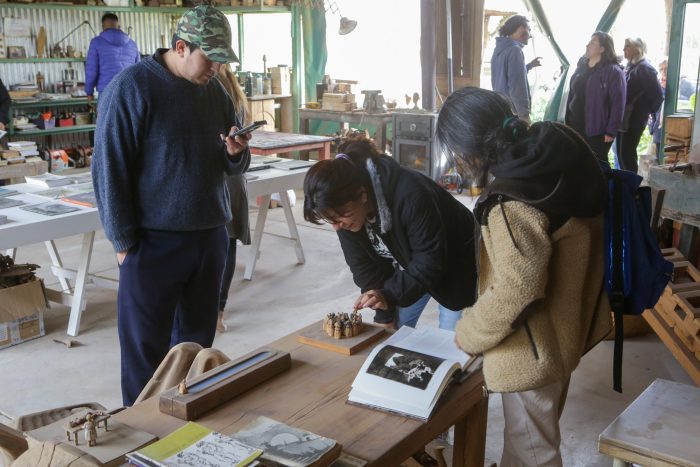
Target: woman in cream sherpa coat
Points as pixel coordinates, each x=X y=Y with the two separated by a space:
x=542 y=303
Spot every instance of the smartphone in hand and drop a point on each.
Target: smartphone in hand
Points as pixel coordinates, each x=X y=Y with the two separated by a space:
x=250 y=128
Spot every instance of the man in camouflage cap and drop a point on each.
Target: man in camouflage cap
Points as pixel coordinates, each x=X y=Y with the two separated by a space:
x=159 y=167
x=207 y=28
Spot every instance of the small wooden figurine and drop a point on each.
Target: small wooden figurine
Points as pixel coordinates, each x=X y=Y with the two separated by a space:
x=88 y=422
x=182 y=387
x=342 y=325
x=90 y=430
x=338 y=330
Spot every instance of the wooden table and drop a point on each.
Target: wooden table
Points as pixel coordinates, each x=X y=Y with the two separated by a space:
x=313 y=395
x=358 y=117
x=264 y=143
x=660 y=428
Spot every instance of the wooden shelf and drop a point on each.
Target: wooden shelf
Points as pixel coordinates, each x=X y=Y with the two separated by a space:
x=39 y=60
x=50 y=103
x=144 y=9
x=55 y=131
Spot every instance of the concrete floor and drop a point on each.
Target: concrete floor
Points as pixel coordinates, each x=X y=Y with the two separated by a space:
x=281 y=298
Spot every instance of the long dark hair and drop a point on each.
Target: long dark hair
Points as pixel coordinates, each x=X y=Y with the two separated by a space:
x=476 y=126
x=331 y=184
x=606 y=41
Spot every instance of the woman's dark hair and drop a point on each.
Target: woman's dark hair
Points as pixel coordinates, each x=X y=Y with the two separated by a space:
x=331 y=184
x=476 y=126
x=192 y=47
x=512 y=24
x=606 y=41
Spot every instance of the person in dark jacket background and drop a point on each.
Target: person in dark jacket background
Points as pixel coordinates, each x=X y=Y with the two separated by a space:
x=108 y=54
x=644 y=98
x=596 y=101
x=508 y=68
x=404 y=237
x=656 y=120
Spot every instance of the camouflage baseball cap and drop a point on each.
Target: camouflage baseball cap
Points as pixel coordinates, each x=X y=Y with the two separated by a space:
x=207 y=28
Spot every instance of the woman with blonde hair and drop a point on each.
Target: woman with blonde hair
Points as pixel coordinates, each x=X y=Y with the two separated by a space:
x=238 y=228
x=644 y=98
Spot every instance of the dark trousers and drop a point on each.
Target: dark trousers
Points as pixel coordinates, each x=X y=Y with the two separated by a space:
x=168 y=293
x=627 y=148
x=227 y=276
x=599 y=146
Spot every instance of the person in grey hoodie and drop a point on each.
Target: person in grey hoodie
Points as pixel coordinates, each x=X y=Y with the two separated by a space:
x=108 y=54
x=508 y=68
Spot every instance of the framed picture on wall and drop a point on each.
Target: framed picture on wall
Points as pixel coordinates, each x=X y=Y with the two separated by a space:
x=16 y=51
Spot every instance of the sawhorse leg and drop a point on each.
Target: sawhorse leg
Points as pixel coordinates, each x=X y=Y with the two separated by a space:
x=56 y=261
x=257 y=237
x=293 y=232
x=83 y=266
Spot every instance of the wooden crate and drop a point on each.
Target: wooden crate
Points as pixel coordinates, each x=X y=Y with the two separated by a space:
x=673 y=255
x=690 y=361
x=679 y=126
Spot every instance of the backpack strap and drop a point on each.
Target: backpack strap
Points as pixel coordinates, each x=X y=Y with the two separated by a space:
x=617 y=296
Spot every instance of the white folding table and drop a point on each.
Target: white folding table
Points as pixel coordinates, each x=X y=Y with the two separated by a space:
x=27 y=228
x=271 y=181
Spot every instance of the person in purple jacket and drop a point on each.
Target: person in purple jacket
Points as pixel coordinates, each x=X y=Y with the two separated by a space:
x=596 y=101
x=108 y=54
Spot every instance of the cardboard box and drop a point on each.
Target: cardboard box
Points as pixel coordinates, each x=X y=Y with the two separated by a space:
x=22 y=313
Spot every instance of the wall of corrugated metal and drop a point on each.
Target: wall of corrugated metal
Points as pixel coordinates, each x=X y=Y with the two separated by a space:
x=149 y=30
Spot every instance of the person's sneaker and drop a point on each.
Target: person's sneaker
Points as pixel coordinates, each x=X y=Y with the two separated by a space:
x=220 y=325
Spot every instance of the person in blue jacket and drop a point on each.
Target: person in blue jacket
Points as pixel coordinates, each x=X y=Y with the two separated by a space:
x=508 y=68
x=108 y=54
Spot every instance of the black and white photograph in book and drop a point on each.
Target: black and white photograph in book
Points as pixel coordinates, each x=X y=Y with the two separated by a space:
x=283 y=443
x=404 y=366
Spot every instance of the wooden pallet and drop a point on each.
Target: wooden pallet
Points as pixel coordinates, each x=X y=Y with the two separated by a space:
x=673 y=255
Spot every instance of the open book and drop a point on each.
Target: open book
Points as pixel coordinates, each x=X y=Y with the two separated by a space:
x=288 y=446
x=408 y=372
x=194 y=444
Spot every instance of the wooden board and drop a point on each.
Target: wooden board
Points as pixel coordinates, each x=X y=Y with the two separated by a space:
x=211 y=395
x=346 y=346
x=41 y=43
x=111 y=446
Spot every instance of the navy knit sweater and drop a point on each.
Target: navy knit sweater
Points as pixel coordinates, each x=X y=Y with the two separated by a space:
x=158 y=161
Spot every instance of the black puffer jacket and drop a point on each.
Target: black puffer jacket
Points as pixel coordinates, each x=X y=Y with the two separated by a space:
x=427 y=231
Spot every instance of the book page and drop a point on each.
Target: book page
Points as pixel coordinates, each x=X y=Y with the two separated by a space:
x=409 y=371
x=215 y=449
x=407 y=380
x=437 y=342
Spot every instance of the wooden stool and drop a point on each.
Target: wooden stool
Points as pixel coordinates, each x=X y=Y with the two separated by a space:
x=660 y=428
